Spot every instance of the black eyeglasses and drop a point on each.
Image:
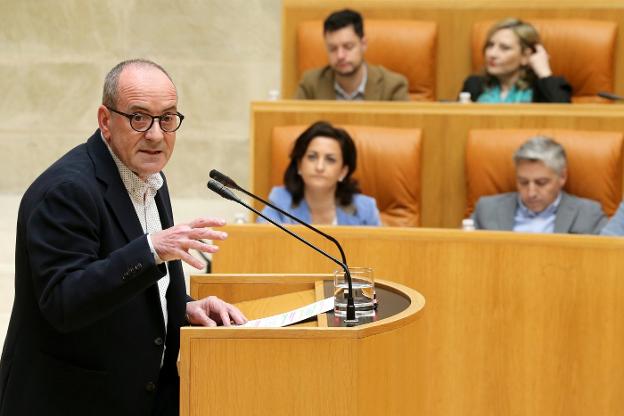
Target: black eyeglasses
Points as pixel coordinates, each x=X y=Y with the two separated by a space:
x=141 y=122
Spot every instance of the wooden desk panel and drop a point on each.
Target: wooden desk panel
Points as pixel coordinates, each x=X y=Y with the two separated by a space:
x=445 y=129
x=515 y=324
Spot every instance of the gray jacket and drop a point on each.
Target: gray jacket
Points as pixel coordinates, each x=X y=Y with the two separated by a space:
x=574 y=216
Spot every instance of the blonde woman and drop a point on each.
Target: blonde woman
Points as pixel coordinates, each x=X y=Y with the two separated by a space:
x=517 y=68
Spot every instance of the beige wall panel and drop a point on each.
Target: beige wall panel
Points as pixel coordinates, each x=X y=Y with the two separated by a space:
x=55 y=54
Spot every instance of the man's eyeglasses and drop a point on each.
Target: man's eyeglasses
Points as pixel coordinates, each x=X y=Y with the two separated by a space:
x=141 y=122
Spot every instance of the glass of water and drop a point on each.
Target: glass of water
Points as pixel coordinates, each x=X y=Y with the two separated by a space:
x=363 y=291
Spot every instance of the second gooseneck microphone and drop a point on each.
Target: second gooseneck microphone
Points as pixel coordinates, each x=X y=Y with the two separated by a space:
x=230 y=183
x=220 y=188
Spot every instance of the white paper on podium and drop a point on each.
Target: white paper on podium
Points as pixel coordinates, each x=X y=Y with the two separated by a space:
x=296 y=315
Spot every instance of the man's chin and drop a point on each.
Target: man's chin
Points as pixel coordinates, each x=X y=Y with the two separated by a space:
x=536 y=208
x=347 y=71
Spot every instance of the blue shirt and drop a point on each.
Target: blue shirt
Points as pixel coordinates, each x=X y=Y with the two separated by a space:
x=362 y=211
x=527 y=221
x=357 y=95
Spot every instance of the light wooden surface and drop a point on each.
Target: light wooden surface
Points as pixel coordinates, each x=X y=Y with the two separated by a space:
x=300 y=371
x=455 y=20
x=445 y=129
x=515 y=324
x=259 y=297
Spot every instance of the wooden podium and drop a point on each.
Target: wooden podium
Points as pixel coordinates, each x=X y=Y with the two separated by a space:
x=316 y=368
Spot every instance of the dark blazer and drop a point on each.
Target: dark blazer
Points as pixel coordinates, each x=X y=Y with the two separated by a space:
x=87 y=333
x=574 y=216
x=545 y=90
x=381 y=85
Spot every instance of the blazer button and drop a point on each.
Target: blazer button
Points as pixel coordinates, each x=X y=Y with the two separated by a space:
x=150 y=387
x=158 y=341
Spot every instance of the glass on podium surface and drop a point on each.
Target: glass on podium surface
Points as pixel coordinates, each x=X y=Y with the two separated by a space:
x=363 y=285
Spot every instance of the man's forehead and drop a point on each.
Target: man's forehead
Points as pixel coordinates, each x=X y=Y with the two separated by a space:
x=143 y=73
x=534 y=169
x=145 y=83
x=346 y=33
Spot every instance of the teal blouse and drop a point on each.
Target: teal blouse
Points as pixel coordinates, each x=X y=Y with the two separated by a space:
x=515 y=95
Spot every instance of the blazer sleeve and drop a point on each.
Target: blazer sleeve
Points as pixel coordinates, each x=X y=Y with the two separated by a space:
x=615 y=226
x=399 y=89
x=302 y=93
x=552 y=90
x=74 y=284
x=474 y=85
x=476 y=215
x=367 y=210
x=593 y=217
x=601 y=221
x=307 y=85
x=281 y=198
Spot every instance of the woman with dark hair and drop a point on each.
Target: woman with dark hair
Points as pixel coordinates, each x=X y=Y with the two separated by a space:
x=516 y=68
x=318 y=184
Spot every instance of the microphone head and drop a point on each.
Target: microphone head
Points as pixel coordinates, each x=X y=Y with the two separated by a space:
x=610 y=96
x=223 y=179
x=222 y=190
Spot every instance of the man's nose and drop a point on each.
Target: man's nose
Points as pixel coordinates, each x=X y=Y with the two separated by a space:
x=155 y=132
x=532 y=190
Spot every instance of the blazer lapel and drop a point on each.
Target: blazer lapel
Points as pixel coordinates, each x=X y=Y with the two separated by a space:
x=372 y=90
x=507 y=211
x=115 y=192
x=566 y=213
x=325 y=86
x=163 y=203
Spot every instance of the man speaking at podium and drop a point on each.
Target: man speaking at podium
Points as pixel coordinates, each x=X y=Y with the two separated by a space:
x=99 y=288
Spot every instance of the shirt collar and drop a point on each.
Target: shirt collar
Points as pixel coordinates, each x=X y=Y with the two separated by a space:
x=136 y=187
x=550 y=210
x=358 y=93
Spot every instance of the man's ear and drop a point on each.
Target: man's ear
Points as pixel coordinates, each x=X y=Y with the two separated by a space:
x=104 y=116
x=564 y=176
x=364 y=43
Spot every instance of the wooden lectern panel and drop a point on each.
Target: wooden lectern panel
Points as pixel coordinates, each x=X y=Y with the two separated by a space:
x=515 y=324
x=363 y=370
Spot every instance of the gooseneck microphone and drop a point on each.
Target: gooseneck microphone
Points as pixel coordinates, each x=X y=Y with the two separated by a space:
x=220 y=189
x=610 y=96
x=230 y=183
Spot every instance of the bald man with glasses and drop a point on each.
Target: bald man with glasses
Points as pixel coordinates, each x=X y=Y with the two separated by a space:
x=99 y=289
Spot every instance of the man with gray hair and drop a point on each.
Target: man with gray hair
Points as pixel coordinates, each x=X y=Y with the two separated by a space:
x=539 y=205
x=99 y=288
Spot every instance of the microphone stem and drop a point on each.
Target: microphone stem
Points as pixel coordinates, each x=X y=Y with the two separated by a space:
x=350 y=314
x=292 y=217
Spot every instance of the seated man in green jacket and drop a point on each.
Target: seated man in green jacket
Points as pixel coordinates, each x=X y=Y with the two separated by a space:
x=348 y=76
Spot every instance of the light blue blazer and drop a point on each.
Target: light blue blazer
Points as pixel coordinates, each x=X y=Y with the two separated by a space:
x=362 y=211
